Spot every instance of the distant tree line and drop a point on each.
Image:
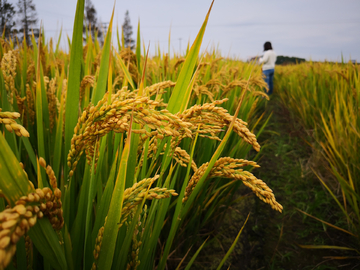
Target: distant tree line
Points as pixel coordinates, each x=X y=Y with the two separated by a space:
x=21 y=26
x=7 y=12
x=92 y=25
x=21 y=22
x=286 y=60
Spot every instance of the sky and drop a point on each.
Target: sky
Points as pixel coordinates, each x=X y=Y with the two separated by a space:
x=311 y=29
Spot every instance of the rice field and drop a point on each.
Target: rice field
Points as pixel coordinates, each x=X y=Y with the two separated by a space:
x=105 y=152
x=324 y=98
x=112 y=159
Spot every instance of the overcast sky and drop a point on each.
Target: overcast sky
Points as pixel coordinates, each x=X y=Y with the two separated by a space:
x=316 y=29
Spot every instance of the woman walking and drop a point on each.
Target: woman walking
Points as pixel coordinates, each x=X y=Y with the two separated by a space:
x=268 y=60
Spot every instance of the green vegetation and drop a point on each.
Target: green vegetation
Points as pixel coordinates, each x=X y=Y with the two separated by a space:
x=324 y=99
x=273 y=241
x=110 y=159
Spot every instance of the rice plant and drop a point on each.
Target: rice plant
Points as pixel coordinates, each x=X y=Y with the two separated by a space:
x=325 y=97
x=105 y=153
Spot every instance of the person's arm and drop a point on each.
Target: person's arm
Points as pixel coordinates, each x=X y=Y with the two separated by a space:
x=264 y=59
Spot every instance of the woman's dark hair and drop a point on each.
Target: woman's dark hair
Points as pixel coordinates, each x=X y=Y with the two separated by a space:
x=267 y=46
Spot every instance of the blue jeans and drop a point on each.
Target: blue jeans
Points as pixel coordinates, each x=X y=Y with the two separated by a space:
x=269 y=73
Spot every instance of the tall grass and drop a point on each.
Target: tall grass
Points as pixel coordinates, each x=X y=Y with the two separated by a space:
x=116 y=152
x=325 y=97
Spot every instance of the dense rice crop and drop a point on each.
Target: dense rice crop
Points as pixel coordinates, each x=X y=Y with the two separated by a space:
x=325 y=97
x=110 y=159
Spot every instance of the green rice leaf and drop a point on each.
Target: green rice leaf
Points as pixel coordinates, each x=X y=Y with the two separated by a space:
x=88 y=213
x=72 y=96
x=138 y=48
x=181 y=92
x=104 y=204
x=39 y=112
x=111 y=229
x=30 y=152
x=126 y=71
x=100 y=89
x=14 y=184
x=77 y=230
x=193 y=258
x=58 y=141
x=232 y=246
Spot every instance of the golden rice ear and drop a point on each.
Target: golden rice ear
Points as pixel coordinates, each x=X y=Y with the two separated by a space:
x=231 y=168
x=8 y=118
x=42 y=162
x=14 y=223
x=98 y=242
x=8 y=69
x=136 y=240
x=99 y=120
x=213 y=119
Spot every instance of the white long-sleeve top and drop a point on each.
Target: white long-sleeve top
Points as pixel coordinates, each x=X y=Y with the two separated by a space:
x=269 y=59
